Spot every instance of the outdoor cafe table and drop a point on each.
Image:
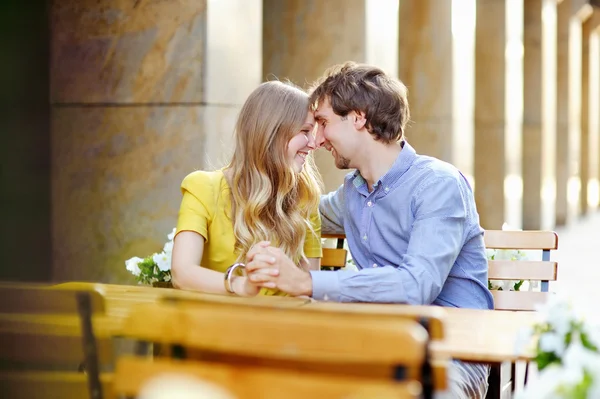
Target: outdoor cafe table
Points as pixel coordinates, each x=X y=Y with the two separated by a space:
x=475 y=335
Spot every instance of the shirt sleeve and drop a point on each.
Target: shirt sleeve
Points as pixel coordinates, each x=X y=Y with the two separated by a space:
x=331 y=208
x=435 y=242
x=194 y=212
x=312 y=242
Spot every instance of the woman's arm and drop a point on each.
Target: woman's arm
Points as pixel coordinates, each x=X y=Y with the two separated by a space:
x=187 y=273
x=314 y=263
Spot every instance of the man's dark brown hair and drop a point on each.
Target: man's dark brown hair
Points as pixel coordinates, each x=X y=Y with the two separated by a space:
x=366 y=89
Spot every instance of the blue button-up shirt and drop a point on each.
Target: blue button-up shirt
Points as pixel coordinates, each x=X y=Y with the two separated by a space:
x=415 y=238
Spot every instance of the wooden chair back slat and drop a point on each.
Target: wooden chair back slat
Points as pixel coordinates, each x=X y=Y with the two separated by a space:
x=506 y=239
x=433 y=315
x=47 y=351
x=40 y=299
x=283 y=334
x=336 y=236
x=519 y=300
x=245 y=382
x=334 y=257
x=41 y=385
x=522 y=270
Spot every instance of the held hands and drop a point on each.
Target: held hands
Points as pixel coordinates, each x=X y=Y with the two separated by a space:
x=270 y=267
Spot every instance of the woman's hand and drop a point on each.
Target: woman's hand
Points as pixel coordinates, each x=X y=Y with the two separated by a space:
x=270 y=267
x=242 y=286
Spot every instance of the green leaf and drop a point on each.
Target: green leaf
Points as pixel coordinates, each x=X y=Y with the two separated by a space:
x=544 y=359
x=518 y=285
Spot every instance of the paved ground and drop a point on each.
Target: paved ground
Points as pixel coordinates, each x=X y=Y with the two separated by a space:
x=578 y=258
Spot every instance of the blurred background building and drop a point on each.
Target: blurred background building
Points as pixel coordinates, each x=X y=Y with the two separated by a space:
x=113 y=102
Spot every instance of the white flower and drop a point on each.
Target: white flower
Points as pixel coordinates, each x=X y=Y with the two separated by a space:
x=172 y=235
x=552 y=342
x=490 y=253
x=168 y=248
x=162 y=260
x=132 y=265
x=557 y=312
x=167 y=278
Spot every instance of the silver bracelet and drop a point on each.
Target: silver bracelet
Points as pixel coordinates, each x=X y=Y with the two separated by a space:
x=238 y=269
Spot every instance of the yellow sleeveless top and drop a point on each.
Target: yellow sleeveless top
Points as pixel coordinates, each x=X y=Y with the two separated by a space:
x=206 y=200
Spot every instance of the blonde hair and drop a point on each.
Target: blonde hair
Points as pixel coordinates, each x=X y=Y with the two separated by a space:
x=270 y=200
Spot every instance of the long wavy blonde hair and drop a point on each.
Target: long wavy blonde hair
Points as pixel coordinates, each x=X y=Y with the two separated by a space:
x=270 y=200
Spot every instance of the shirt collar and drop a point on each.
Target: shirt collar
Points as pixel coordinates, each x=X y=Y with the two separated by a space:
x=404 y=161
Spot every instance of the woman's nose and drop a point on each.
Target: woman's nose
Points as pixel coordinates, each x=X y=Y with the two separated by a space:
x=319 y=137
x=311 y=142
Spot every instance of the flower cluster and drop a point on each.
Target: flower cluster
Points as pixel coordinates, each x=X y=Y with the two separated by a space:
x=505 y=254
x=566 y=354
x=154 y=268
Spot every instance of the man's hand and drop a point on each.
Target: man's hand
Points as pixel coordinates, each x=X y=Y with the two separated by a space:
x=271 y=268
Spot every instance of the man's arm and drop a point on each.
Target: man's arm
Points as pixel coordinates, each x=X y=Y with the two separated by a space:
x=331 y=208
x=435 y=242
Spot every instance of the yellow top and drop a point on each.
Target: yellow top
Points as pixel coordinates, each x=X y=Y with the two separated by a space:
x=204 y=208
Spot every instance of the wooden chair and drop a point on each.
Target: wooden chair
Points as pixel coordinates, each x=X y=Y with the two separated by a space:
x=48 y=345
x=544 y=270
x=334 y=258
x=430 y=317
x=278 y=352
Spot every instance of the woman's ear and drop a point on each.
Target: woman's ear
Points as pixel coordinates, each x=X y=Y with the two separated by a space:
x=359 y=120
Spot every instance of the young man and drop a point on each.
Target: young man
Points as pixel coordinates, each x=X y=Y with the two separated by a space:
x=410 y=220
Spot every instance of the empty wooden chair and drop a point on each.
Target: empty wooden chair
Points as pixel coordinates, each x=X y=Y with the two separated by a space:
x=529 y=270
x=271 y=352
x=544 y=270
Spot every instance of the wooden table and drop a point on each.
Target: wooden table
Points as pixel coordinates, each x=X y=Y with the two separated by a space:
x=470 y=335
x=474 y=335
x=487 y=336
x=120 y=299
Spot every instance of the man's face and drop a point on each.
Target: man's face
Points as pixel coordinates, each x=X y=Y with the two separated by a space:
x=335 y=133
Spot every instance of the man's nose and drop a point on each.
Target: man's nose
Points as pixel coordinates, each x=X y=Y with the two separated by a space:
x=319 y=137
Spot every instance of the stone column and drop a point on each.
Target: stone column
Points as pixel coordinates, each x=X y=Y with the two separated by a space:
x=594 y=105
x=588 y=150
x=425 y=66
x=142 y=94
x=498 y=63
x=302 y=38
x=565 y=158
x=578 y=103
x=539 y=114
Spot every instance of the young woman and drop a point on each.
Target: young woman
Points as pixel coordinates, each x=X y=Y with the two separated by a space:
x=268 y=192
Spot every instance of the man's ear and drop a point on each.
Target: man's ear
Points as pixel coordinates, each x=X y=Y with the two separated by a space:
x=359 y=120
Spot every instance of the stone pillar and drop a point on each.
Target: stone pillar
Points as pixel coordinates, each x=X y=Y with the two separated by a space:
x=425 y=66
x=302 y=38
x=142 y=93
x=498 y=72
x=594 y=105
x=578 y=104
x=539 y=114
x=587 y=150
x=565 y=159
